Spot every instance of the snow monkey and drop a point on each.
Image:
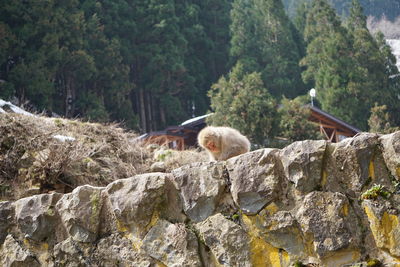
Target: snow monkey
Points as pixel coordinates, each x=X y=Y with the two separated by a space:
x=223 y=143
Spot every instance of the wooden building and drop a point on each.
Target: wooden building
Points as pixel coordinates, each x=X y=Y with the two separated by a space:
x=334 y=129
x=185 y=135
x=178 y=137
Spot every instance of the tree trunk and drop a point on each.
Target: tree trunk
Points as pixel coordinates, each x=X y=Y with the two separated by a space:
x=154 y=112
x=142 y=111
x=149 y=115
x=162 y=116
x=68 y=97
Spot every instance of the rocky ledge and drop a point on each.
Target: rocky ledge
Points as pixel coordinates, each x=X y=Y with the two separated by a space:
x=312 y=203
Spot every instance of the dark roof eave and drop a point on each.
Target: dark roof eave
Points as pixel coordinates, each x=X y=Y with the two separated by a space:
x=317 y=110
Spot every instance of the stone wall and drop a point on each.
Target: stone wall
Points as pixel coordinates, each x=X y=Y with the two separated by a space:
x=313 y=203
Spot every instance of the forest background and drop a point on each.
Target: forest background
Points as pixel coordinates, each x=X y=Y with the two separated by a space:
x=149 y=63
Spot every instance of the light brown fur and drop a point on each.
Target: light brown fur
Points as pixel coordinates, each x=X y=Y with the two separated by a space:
x=223 y=143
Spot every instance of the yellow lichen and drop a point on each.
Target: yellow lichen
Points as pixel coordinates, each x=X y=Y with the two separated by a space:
x=154 y=219
x=371 y=169
x=384 y=229
x=345 y=210
x=136 y=242
x=324 y=178
x=41 y=249
x=160 y=264
x=95 y=205
x=272 y=208
x=44 y=246
x=389 y=224
x=121 y=227
x=341 y=258
x=262 y=253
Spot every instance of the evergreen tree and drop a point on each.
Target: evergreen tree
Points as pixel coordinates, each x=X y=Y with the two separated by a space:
x=262 y=41
x=390 y=96
x=368 y=78
x=381 y=121
x=25 y=57
x=328 y=62
x=294 y=123
x=210 y=47
x=242 y=102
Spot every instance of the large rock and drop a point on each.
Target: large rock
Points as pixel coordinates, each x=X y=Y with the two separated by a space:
x=353 y=164
x=80 y=212
x=37 y=217
x=391 y=152
x=6 y=218
x=303 y=204
x=279 y=228
x=70 y=253
x=228 y=242
x=384 y=224
x=116 y=250
x=172 y=244
x=201 y=187
x=136 y=202
x=328 y=221
x=302 y=162
x=256 y=178
x=13 y=254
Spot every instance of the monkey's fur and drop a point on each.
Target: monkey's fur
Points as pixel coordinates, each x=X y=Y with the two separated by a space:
x=223 y=143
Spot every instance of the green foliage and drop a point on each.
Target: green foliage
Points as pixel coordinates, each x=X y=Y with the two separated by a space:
x=298 y=264
x=152 y=60
x=380 y=120
x=375 y=191
x=262 y=41
x=242 y=102
x=149 y=64
x=346 y=65
x=376 y=8
x=294 y=124
x=373 y=263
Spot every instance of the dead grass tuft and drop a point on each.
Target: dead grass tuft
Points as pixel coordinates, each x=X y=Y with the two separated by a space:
x=33 y=161
x=174 y=159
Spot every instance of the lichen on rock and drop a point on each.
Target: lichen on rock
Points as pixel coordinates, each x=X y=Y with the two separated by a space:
x=303 y=205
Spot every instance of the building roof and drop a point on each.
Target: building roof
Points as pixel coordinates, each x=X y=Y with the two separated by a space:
x=334 y=119
x=196 y=121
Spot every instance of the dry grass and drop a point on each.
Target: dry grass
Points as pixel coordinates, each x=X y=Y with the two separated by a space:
x=32 y=161
x=174 y=159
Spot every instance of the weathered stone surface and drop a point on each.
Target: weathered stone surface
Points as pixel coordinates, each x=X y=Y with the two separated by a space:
x=327 y=219
x=13 y=254
x=256 y=178
x=391 y=152
x=36 y=216
x=135 y=201
x=270 y=216
x=384 y=225
x=353 y=163
x=201 y=186
x=158 y=166
x=228 y=241
x=80 y=212
x=6 y=218
x=172 y=244
x=70 y=253
x=302 y=162
x=280 y=229
x=117 y=250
